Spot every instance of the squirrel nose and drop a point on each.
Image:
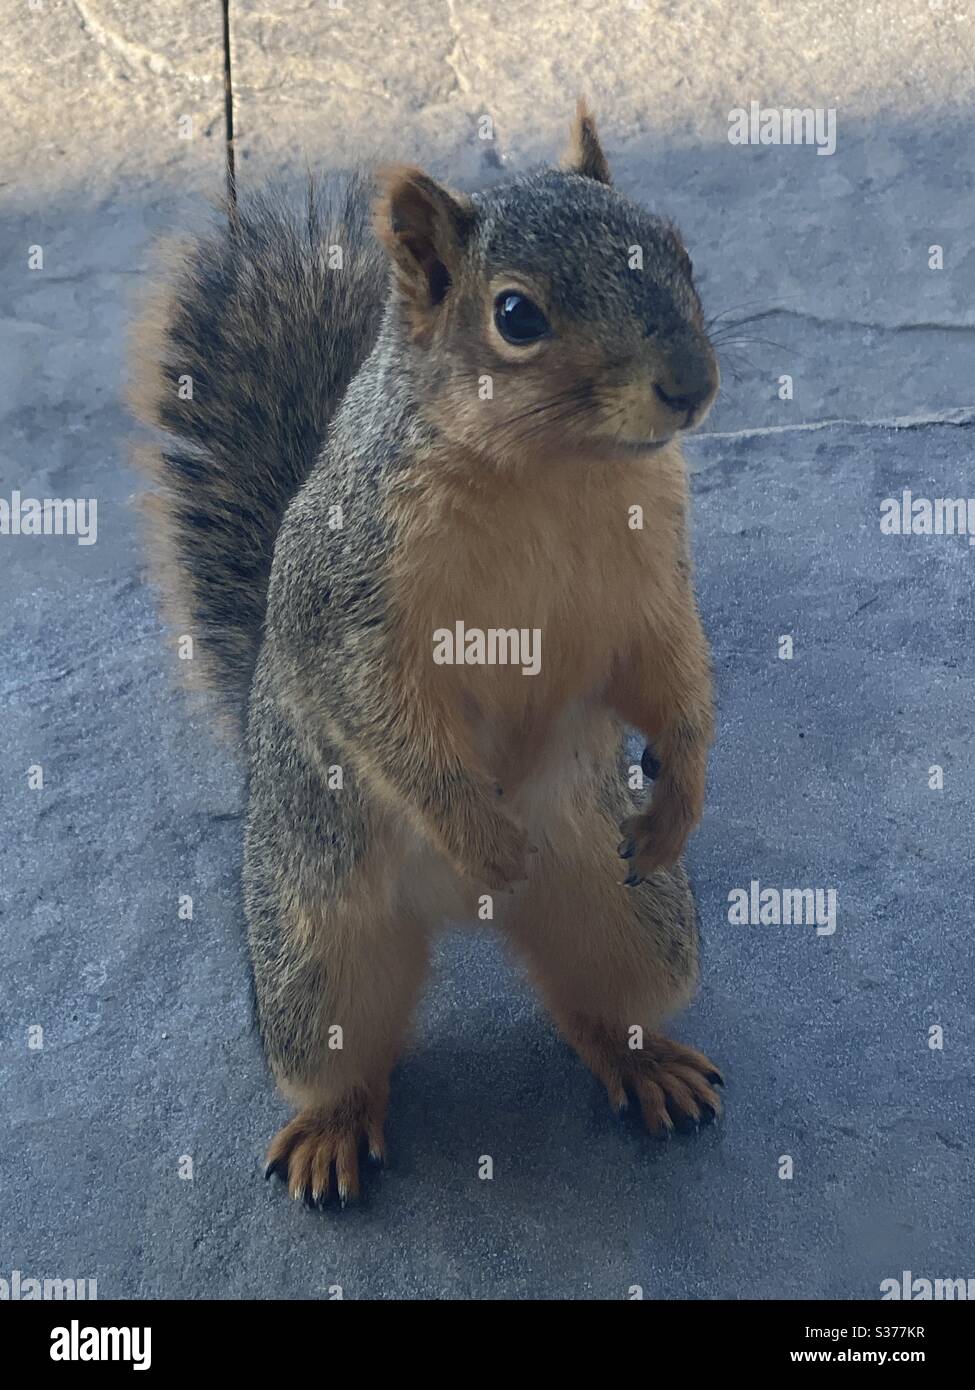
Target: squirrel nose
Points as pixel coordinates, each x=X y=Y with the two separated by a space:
x=689 y=379
x=690 y=397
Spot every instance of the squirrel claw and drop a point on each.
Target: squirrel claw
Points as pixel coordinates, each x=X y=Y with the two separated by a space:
x=277 y=1168
x=650 y=764
x=657 y=836
x=685 y=1125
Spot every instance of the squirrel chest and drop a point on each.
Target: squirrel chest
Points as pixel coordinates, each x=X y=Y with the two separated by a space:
x=513 y=608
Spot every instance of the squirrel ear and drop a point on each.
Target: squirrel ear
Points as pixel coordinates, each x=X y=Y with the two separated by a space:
x=585 y=154
x=424 y=228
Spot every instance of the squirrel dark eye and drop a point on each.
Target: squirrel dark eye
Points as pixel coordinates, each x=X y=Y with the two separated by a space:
x=519 y=320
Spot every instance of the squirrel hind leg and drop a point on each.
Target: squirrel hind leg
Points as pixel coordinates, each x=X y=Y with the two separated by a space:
x=334 y=999
x=335 y=994
x=613 y=963
x=338 y=957
x=335 y=985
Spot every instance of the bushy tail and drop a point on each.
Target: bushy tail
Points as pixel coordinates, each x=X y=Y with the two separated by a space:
x=241 y=360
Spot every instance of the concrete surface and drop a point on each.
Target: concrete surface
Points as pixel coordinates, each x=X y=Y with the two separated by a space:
x=820 y=772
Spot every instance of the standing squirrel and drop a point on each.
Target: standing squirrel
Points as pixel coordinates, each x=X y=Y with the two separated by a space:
x=472 y=423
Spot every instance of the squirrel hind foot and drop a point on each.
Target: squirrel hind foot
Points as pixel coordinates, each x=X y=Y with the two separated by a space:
x=673 y=1084
x=317 y=1154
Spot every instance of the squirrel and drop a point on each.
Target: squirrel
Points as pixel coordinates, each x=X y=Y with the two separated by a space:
x=471 y=415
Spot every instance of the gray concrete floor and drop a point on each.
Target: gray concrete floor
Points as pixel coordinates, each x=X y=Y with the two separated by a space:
x=820 y=771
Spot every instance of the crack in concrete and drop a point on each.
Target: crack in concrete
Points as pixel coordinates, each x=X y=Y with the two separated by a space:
x=134 y=54
x=963 y=415
x=332 y=84
x=931 y=327
x=457 y=52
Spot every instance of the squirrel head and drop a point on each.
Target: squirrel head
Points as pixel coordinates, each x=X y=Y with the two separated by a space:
x=548 y=314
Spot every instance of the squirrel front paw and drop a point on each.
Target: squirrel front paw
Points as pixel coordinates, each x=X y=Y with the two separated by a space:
x=654 y=838
x=497 y=853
